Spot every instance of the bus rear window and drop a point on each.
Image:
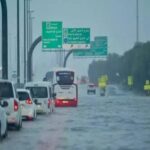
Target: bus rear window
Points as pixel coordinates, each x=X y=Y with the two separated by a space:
x=65 y=77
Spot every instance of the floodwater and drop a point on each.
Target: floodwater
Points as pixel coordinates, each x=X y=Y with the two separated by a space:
x=117 y=121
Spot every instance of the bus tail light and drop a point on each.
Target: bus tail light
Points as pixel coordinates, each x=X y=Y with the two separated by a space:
x=57 y=101
x=75 y=99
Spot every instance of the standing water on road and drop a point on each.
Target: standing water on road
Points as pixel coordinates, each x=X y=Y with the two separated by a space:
x=111 y=122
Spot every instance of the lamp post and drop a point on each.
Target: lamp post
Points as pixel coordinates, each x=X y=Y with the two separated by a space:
x=30 y=26
x=4 y=40
x=25 y=37
x=27 y=33
x=18 y=45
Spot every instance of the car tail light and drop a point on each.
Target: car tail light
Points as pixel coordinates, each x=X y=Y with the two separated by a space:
x=49 y=103
x=16 y=105
x=29 y=101
x=75 y=99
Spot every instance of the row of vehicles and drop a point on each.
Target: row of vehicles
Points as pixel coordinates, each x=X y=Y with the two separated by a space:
x=36 y=97
x=92 y=89
x=18 y=104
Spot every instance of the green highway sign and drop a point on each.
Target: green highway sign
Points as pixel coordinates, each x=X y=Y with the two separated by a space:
x=51 y=35
x=98 y=48
x=76 y=38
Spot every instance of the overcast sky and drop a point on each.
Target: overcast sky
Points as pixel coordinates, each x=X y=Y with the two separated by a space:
x=115 y=19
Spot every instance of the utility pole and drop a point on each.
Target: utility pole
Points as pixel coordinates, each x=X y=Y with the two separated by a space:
x=4 y=40
x=25 y=37
x=30 y=27
x=18 y=45
x=27 y=34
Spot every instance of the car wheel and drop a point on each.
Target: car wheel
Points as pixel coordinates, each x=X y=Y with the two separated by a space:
x=48 y=111
x=19 y=126
x=6 y=132
x=35 y=116
x=21 y=123
x=52 y=109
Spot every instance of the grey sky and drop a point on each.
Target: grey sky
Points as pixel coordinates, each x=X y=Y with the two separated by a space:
x=113 y=18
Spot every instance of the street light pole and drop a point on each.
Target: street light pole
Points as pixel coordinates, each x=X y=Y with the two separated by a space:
x=25 y=37
x=30 y=26
x=18 y=45
x=4 y=40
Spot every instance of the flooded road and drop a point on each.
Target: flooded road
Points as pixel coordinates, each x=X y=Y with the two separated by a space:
x=112 y=122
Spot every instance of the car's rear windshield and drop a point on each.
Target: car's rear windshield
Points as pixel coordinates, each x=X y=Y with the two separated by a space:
x=38 y=92
x=6 y=90
x=23 y=96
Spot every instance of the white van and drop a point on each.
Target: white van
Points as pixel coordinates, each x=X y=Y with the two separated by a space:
x=41 y=93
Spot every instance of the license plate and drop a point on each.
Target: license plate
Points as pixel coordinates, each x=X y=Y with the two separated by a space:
x=65 y=102
x=38 y=106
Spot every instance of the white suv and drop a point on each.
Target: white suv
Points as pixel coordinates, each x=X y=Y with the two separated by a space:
x=8 y=93
x=3 y=120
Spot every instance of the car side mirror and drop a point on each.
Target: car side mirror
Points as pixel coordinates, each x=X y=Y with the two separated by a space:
x=4 y=104
x=54 y=95
x=36 y=101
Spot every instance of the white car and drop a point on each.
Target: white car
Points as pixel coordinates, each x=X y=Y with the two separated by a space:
x=8 y=93
x=27 y=104
x=91 y=88
x=3 y=120
x=41 y=93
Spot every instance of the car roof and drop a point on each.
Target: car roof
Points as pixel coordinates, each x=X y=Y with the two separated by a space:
x=91 y=84
x=3 y=80
x=23 y=90
x=63 y=69
x=35 y=84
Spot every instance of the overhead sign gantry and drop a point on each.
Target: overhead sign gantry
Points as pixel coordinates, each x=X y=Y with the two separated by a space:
x=76 y=38
x=99 y=48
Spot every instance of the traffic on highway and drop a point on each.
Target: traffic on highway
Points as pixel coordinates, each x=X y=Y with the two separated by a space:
x=74 y=75
x=116 y=121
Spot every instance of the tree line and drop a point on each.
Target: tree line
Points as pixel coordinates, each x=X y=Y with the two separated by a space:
x=134 y=62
